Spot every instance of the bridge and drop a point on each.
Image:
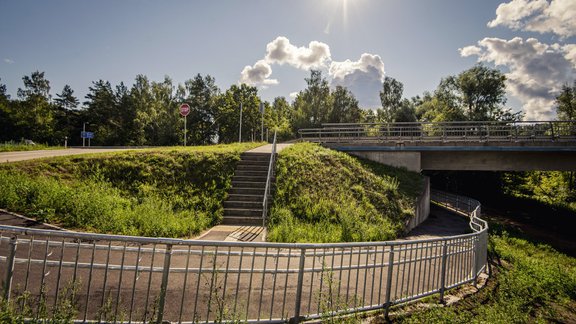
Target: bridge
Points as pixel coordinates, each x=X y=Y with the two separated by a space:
x=465 y=146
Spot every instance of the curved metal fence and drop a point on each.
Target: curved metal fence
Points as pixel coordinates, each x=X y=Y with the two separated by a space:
x=524 y=131
x=134 y=279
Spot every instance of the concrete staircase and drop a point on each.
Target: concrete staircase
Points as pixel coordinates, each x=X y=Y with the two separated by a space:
x=244 y=203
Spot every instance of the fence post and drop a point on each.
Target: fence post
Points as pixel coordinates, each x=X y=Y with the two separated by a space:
x=296 y=318
x=164 y=285
x=475 y=260
x=443 y=272
x=10 y=268
x=389 y=281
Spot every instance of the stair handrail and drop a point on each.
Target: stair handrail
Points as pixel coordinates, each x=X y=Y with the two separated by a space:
x=268 y=182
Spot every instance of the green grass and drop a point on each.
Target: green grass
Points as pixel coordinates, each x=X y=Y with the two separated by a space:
x=168 y=192
x=12 y=147
x=532 y=283
x=328 y=196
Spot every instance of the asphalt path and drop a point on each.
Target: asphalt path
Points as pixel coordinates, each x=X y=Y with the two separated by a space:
x=214 y=280
x=6 y=157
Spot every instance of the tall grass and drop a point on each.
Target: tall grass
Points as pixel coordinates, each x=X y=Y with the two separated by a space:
x=327 y=196
x=168 y=192
x=14 y=146
x=533 y=283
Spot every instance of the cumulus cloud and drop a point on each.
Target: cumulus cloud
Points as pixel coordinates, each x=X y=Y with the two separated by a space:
x=314 y=56
x=258 y=74
x=536 y=70
x=363 y=77
x=556 y=16
x=8 y=61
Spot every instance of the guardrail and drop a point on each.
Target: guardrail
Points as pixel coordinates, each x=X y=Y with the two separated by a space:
x=522 y=131
x=268 y=182
x=134 y=279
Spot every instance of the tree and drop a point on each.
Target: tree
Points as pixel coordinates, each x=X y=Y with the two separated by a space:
x=202 y=94
x=6 y=115
x=102 y=113
x=345 y=107
x=391 y=98
x=566 y=102
x=34 y=114
x=66 y=98
x=480 y=91
x=313 y=105
x=228 y=116
x=277 y=117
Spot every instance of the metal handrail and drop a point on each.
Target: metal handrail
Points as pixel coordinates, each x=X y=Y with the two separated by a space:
x=181 y=278
x=268 y=182
x=520 y=131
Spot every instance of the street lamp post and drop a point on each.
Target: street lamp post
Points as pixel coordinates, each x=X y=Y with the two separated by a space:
x=84 y=134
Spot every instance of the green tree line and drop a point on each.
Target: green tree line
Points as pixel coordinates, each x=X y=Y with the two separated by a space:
x=146 y=113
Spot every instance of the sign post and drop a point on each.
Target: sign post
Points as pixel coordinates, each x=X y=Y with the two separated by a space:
x=184 y=111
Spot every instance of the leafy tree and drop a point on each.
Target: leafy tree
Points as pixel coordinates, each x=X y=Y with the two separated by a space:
x=313 y=105
x=345 y=107
x=391 y=98
x=34 y=114
x=228 y=116
x=202 y=94
x=566 y=103
x=6 y=121
x=167 y=125
x=277 y=117
x=406 y=112
x=480 y=91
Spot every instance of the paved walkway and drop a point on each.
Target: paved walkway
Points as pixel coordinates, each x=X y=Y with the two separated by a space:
x=268 y=148
x=6 y=157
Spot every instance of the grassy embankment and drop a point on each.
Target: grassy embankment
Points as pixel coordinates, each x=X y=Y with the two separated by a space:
x=170 y=192
x=328 y=196
x=13 y=147
x=531 y=283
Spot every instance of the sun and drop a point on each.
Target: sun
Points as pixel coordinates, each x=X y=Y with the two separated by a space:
x=337 y=14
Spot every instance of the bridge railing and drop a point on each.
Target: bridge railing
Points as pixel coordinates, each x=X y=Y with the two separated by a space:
x=523 y=131
x=135 y=279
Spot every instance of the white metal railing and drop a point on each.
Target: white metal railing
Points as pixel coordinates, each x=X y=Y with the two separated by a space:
x=521 y=131
x=268 y=187
x=136 y=279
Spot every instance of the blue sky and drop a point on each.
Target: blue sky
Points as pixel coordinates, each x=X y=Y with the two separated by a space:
x=354 y=42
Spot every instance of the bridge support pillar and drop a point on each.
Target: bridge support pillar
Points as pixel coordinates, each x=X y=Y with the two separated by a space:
x=408 y=160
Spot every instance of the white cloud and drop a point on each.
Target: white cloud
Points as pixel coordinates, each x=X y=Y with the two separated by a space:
x=280 y=51
x=556 y=16
x=257 y=74
x=363 y=77
x=294 y=94
x=8 y=61
x=537 y=70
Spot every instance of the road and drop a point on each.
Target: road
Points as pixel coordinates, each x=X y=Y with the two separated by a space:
x=6 y=157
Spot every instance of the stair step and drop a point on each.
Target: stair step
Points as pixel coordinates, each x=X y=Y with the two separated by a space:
x=239 y=197
x=249 y=173
x=249 y=184
x=242 y=220
x=255 y=156
x=242 y=212
x=243 y=204
x=246 y=191
x=241 y=178
x=251 y=167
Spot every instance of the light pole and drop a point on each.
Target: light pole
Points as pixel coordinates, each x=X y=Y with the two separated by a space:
x=84 y=134
x=240 y=130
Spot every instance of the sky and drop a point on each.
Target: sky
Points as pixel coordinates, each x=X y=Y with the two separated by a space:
x=273 y=44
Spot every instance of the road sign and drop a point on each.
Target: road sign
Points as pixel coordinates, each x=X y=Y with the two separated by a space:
x=184 y=110
x=87 y=134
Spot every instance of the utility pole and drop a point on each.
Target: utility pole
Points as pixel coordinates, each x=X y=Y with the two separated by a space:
x=240 y=128
x=262 y=126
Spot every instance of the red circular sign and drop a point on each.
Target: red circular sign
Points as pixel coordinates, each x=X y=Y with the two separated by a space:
x=184 y=110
